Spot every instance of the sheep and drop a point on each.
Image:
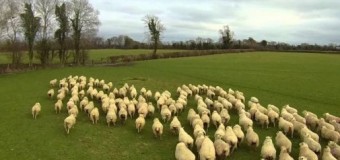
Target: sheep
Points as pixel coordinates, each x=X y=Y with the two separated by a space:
x=83 y=103
x=74 y=111
x=61 y=96
x=330 y=117
x=206 y=120
x=327 y=155
x=69 y=123
x=148 y=94
x=157 y=128
x=151 y=109
x=239 y=105
x=57 y=106
x=36 y=110
x=306 y=152
x=50 y=93
x=133 y=93
x=191 y=113
x=165 y=113
x=173 y=109
x=230 y=138
x=140 y=123
x=175 y=125
x=299 y=118
x=268 y=150
x=131 y=109
x=216 y=119
x=220 y=132
x=297 y=126
x=196 y=120
x=143 y=108
x=284 y=154
x=286 y=126
x=311 y=119
x=94 y=115
x=273 y=116
x=312 y=144
x=262 y=118
x=335 y=149
x=111 y=117
x=304 y=130
x=252 y=138
x=239 y=133
x=185 y=138
x=179 y=107
x=122 y=114
x=53 y=82
x=254 y=100
x=290 y=109
x=322 y=122
x=244 y=121
x=218 y=106
x=207 y=151
x=274 y=108
x=281 y=140
x=222 y=149
x=330 y=134
x=225 y=117
x=70 y=104
x=89 y=107
x=183 y=153
x=198 y=141
x=336 y=125
x=286 y=115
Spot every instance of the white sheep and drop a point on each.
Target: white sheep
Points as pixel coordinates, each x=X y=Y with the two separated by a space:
x=50 y=93
x=196 y=120
x=230 y=138
x=312 y=144
x=262 y=119
x=206 y=120
x=36 y=110
x=284 y=154
x=122 y=114
x=69 y=123
x=94 y=115
x=131 y=109
x=74 y=111
x=89 y=107
x=165 y=113
x=286 y=115
x=83 y=103
x=244 y=121
x=198 y=141
x=281 y=140
x=306 y=152
x=299 y=118
x=111 y=117
x=304 y=130
x=268 y=150
x=191 y=114
x=327 y=155
x=185 y=138
x=220 y=132
x=239 y=133
x=53 y=82
x=290 y=109
x=311 y=119
x=273 y=116
x=207 y=151
x=286 y=126
x=225 y=117
x=175 y=125
x=216 y=119
x=330 y=134
x=173 y=109
x=322 y=122
x=140 y=123
x=198 y=130
x=151 y=109
x=329 y=117
x=335 y=149
x=336 y=125
x=143 y=108
x=183 y=153
x=157 y=128
x=252 y=138
x=57 y=106
x=274 y=108
x=222 y=149
x=298 y=126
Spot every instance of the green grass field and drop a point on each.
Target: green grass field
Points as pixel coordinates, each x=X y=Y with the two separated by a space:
x=305 y=81
x=96 y=55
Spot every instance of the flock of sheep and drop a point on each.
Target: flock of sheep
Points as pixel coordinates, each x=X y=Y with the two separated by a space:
x=213 y=106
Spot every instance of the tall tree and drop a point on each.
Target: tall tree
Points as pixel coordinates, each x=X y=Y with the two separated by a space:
x=10 y=27
x=226 y=36
x=30 y=25
x=61 y=33
x=156 y=28
x=45 y=10
x=84 y=23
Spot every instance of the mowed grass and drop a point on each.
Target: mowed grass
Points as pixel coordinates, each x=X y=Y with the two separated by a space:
x=305 y=81
x=95 y=55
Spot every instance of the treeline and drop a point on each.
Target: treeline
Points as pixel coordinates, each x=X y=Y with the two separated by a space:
x=47 y=29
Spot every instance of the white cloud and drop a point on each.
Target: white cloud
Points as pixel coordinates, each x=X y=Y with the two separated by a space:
x=292 y=21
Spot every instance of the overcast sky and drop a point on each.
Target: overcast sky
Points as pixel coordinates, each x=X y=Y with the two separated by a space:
x=292 y=21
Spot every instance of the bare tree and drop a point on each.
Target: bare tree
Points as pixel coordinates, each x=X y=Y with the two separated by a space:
x=226 y=36
x=84 y=23
x=156 y=28
x=61 y=33
x=45 y=10
x=10 y=27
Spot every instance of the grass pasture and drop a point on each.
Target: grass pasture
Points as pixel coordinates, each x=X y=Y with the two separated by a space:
x=305 y=81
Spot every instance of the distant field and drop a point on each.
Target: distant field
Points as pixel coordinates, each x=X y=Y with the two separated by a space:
x=305 y=81
x=96 y=55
